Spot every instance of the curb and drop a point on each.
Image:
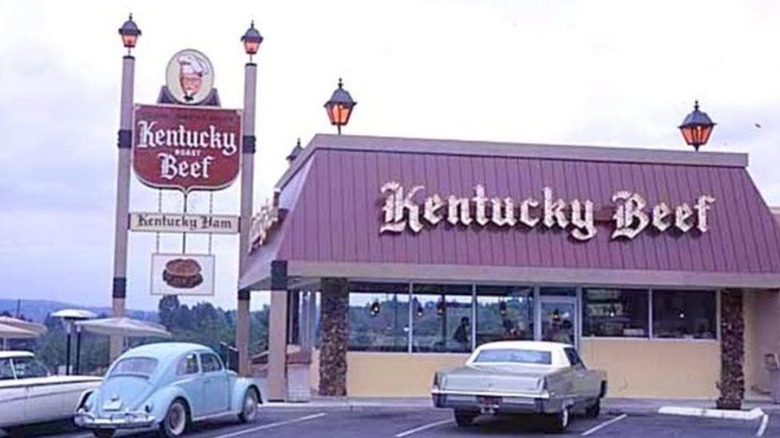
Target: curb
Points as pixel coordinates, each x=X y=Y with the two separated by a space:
x=753 y=414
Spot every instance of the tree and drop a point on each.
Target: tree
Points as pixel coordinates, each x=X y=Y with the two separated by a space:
x=166 y=309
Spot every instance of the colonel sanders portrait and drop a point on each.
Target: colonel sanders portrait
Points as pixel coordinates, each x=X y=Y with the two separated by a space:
x=190 y=76
x=192 y=68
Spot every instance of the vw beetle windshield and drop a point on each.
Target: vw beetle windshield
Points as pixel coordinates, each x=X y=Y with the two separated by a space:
x=507 y=355
x=134 y=366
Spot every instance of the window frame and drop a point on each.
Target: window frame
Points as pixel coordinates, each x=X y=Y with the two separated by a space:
x=185 y=358
x=216 y=358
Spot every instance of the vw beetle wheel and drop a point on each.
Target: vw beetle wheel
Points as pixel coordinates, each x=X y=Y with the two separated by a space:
x=103 y=433
x=249 y=407
x=175 y=422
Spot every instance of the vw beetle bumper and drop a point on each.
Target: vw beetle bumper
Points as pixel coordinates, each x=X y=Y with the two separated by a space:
x=118 y=420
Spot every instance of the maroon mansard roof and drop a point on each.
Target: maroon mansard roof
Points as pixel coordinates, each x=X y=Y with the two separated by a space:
x=334 y=213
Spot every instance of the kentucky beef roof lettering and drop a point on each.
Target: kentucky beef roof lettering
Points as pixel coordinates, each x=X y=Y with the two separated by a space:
x=631 y=214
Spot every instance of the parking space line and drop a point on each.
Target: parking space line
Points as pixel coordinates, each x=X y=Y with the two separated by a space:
x=604 y=424
x=421 y=428
x=272 y=425
x=762 y=427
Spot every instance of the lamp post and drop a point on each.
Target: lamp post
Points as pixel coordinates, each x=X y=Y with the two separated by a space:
x=339 y=107
x=697 y=127
x=129 y=33
x=251 y=40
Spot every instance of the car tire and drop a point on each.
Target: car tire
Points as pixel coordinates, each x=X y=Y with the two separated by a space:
x=560 y=421
x=465 y=418
x=103 y=433
x=248 y=412
x=593 y=410
x=175 y=422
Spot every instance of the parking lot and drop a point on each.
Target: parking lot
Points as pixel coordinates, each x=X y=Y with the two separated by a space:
x=429 y=423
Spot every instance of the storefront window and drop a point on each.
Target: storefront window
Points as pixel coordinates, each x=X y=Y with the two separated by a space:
x=378 y=317
x=442 y=318
x=615 y=313
x=504 y=313
x=684 y=314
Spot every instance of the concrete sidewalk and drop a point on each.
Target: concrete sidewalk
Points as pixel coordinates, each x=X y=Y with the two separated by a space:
x=613 y=406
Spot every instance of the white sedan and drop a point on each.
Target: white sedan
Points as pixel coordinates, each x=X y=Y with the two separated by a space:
x=28 y=394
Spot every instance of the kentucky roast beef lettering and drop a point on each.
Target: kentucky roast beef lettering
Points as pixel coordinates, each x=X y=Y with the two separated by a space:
x=149 y=137
x=631 y=215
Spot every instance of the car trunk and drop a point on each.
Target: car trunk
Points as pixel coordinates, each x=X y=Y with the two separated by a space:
x=496 y=378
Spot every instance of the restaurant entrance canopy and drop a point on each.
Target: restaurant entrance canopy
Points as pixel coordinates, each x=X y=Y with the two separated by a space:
x=441 y=210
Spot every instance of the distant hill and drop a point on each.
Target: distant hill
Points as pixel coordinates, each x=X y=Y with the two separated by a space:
x=37 y=310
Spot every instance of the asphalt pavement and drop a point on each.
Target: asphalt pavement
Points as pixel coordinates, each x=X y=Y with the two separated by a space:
x=430 y=422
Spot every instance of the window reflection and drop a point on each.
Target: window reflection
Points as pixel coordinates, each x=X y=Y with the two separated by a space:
x=504 y=313
x=442 y=318
x=378 y=317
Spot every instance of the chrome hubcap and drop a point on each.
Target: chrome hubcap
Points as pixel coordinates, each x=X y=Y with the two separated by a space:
x=176 y=419
x=250 y=406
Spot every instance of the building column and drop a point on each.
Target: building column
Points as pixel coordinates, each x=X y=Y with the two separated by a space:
x=334 y=321
x=732 y=350
x=247 y=189
x=125 y=142
x=277 y=333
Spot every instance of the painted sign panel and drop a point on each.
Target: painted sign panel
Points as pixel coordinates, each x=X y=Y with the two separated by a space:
x=182 y=274
x=186 y=148
x=183 y=223
x=189 y=77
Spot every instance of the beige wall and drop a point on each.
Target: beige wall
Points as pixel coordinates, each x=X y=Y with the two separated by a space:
x=766 y=320
x=655 y=368
x=397 y=374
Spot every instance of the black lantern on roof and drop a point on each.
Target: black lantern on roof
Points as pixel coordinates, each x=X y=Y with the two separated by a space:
x=297 y=150
x=129 y=33
x=339 y=107
x=697 y=127
x=251 y=40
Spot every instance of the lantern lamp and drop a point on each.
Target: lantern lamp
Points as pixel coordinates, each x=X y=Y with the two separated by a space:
x=129 y=33
x=697 y=127
x=339 y=107
x=251 y=40
x=373 y=310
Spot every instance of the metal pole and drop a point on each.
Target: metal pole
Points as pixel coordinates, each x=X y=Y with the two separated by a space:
x=77 y=368
x=67 y=351
x=247 y=178
x=119 y=289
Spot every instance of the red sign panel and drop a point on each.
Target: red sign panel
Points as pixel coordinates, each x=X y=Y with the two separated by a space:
x=186 y=148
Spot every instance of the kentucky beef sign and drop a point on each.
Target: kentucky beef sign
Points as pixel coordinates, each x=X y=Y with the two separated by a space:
x=186 y=148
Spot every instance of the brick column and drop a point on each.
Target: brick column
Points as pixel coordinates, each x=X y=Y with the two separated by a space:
x=334 y=321
x=732 y=350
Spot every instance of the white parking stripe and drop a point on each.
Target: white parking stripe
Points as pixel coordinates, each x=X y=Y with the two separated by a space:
x=272 y=425
x=762 y=427
x=421 y=428
x=604 y=424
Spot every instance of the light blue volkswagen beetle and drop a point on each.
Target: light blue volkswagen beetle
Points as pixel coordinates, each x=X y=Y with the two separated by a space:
x=166 y=386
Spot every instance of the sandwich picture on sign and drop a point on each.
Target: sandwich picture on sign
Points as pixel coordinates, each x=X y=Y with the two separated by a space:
x=182 y=274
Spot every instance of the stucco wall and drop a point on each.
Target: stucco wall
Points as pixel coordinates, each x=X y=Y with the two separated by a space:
x=767 y=323
x=656 y=368
x=396 y=374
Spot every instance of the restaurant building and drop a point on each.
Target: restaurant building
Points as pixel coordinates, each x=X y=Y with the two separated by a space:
x=405 y=254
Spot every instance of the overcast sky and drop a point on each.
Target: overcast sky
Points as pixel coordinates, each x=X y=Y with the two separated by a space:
x=612 y=73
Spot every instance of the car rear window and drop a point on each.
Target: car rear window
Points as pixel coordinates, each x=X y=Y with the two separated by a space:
x=143 y=366
x=512 y=355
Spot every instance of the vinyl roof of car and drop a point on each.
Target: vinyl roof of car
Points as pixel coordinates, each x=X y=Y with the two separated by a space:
x=5 y=354
x=536 y=345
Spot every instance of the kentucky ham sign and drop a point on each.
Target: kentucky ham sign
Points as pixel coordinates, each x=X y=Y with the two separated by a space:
x=186 y=148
